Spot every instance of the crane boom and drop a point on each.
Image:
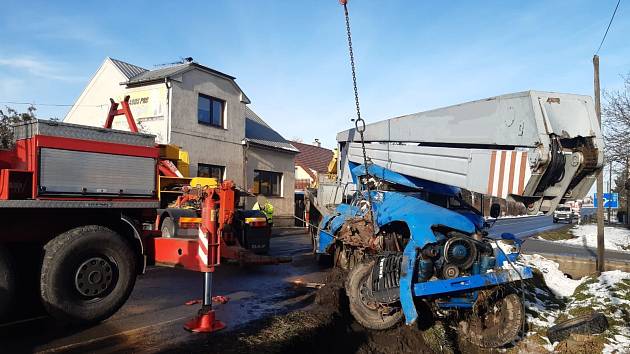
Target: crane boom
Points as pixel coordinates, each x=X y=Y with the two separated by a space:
x=536 y=147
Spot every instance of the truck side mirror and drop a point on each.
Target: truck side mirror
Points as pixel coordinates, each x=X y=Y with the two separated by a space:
x=495 y=210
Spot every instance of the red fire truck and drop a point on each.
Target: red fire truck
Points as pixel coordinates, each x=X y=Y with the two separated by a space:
x=78 y=206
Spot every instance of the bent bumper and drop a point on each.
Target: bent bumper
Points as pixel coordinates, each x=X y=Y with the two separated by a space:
x=452 y=286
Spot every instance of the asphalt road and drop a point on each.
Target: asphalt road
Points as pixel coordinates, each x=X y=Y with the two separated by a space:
x=523 y=228
x=152 y=319
x=527 y=228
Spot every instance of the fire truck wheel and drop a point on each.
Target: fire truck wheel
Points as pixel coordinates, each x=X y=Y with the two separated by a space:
x=87 y=274
x=168 y=227
x=7 y=282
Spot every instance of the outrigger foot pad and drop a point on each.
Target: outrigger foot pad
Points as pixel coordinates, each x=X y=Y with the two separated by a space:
x=205 y=322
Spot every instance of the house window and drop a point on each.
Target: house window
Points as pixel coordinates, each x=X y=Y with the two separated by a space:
x=212 y=171
x=267 y=183
x=210 y=110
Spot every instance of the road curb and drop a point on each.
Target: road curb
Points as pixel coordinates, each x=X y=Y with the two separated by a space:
x=578 y=267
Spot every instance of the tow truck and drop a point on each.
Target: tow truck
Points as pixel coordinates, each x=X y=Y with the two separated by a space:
x=78 y=209
x=181 y=201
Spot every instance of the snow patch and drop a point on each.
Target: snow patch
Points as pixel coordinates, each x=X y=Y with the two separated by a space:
x=620 y=343
x=615 y=238
x=607 y=293
x=559 y=284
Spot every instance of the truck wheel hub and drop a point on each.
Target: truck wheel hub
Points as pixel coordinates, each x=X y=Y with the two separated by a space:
x=366 y=298
x=94 y=277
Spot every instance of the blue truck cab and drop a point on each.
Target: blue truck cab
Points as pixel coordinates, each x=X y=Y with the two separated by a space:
x=419 y=240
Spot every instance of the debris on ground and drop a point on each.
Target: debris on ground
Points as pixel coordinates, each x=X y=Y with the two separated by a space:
x=592 y=323
x=326 y=326
x=552 y=298
x=303 y=284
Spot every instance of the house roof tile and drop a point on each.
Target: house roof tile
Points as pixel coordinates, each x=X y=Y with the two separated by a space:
x=312 y=157
x=129 y=70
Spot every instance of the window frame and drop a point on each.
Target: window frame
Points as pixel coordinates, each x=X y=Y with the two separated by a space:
x=257 y=183
x=210 y=167
x=211 y=111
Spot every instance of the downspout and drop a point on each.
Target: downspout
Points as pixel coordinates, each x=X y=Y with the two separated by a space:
x=168 y=85
x=245 y=150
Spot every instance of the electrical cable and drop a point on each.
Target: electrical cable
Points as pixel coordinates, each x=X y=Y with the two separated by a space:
x=53 y=104
x=607 y=28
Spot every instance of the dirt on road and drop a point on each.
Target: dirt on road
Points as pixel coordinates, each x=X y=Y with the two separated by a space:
x=325 y=326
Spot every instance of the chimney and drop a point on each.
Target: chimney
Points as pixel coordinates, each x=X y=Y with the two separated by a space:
x=317 y=143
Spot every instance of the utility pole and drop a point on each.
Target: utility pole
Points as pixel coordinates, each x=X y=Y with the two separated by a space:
x=627 y=185
x=600 y=176
x=609 y=189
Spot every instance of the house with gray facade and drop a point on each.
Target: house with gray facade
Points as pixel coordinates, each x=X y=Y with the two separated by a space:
x=205 y=112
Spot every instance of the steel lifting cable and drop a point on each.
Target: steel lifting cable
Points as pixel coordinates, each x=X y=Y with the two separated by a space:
x=359 y=123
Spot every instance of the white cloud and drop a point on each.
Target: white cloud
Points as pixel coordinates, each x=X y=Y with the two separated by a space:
x=37 y=67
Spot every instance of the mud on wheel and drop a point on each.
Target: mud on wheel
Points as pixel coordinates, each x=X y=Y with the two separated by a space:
x=365 y=310
x=496 y=320
x=346 y=257
x=87 y=274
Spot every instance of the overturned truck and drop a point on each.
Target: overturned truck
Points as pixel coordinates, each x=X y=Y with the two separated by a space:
x=408 y=237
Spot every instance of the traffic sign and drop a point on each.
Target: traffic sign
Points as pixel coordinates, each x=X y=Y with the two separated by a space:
x=611 y=200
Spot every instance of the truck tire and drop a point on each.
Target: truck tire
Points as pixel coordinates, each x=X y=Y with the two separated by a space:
x=366 y=311
x=87 y=274
x=7 y=282
x=585 y=324
x=168 y=227
x=496 y=319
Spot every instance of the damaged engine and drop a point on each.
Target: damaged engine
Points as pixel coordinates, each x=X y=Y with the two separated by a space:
x=452 y=256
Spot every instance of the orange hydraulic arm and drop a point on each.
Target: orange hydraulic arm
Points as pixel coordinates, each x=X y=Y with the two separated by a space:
x=125 y=110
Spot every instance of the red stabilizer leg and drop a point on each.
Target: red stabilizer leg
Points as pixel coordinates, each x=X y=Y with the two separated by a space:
x=205 y=322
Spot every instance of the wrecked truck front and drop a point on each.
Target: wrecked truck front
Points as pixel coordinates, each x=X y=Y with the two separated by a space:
x=424 y=220
x=420 y=217
x=441 y=227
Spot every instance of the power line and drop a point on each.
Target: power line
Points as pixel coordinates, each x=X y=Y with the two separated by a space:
x=53 y=104
x=607 y=28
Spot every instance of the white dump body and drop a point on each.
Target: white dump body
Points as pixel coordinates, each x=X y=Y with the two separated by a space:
x=537 y=147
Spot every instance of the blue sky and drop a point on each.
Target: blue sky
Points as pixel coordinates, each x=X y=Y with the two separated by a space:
x=290 y=57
